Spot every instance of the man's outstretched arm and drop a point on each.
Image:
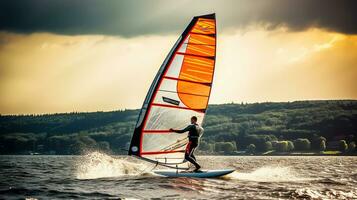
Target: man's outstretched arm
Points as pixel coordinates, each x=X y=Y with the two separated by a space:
x=180 y=131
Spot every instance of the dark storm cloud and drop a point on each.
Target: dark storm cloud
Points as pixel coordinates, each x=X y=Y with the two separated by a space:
x=138 y=17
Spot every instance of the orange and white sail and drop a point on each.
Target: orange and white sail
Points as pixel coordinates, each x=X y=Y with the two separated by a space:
x=180 y=90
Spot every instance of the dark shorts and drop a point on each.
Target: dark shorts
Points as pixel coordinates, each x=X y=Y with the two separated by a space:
x=191 y=145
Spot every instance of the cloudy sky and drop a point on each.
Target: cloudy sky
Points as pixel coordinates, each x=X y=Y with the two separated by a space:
x=73 y=55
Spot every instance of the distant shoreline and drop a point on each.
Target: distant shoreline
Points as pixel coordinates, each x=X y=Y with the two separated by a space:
x=288 y=128
x=290 y=154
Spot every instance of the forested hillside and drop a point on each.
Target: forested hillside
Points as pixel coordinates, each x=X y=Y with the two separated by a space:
x=258 y=127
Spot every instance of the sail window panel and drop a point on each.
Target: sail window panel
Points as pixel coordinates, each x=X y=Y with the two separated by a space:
x=164 y=118
x=175 y=66
x=168 y=98
x=168 y=85
x=159 y=142
x=190 y=86
x=197 y=69
x=204 y=26
x=183 y=100
x=186 y=84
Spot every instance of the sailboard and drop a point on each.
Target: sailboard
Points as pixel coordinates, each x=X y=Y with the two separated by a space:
x=180 y=90
x=202 y=174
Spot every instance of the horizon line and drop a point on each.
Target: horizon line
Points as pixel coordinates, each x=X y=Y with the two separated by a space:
x=133 y=109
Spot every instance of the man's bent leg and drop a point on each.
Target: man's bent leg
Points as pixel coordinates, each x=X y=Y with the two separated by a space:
x=189 y=154
x=191 y=160
x=193 y=156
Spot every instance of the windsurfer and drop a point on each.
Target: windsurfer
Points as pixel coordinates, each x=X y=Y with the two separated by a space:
x=193 y=137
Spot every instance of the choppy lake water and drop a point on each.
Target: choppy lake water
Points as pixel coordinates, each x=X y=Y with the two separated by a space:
x=98 y=176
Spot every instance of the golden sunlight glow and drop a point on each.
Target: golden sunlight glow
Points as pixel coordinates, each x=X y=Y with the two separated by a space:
x=45 y=73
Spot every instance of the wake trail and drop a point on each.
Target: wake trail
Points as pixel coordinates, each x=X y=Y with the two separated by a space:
x=99 y=165
x=269 y=174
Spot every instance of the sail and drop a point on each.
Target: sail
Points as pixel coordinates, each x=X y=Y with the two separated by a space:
x=180 y=90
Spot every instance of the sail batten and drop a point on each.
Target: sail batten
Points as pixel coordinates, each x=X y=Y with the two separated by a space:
x=180 y=90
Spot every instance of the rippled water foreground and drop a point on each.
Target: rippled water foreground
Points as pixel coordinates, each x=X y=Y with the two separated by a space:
x=101 y=176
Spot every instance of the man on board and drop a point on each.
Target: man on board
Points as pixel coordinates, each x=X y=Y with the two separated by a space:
x=194 y=131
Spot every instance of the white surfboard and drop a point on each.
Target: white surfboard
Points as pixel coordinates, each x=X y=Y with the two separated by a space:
x=204 y=174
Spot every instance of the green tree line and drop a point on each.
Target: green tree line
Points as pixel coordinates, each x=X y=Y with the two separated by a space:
x=229 y=128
